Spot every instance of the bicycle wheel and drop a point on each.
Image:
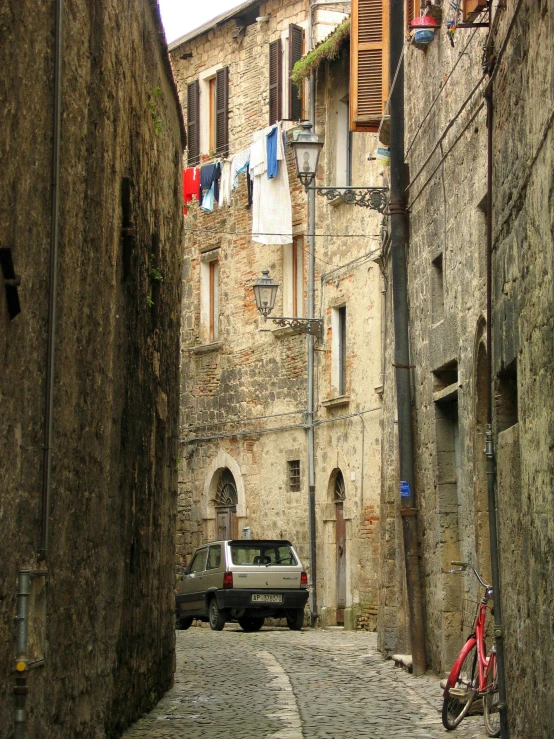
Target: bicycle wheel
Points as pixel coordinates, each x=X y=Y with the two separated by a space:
x=459 y=697
x=491 y=714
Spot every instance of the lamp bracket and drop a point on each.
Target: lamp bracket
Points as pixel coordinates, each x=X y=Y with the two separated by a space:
x=312 y=326
x=375 y=198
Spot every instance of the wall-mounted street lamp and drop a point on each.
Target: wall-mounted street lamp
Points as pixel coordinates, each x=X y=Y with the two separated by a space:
x=265 y=292
x=307 y=148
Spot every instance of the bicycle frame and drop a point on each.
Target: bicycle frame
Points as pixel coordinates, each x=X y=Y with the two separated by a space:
x=473 y=674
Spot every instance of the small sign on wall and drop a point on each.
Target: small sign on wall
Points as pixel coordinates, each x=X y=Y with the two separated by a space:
x=405 y=490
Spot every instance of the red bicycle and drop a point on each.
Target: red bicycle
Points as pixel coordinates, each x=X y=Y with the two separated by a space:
x=474 y=673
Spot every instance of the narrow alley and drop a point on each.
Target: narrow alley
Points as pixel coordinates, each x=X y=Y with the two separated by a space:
x=280 y=684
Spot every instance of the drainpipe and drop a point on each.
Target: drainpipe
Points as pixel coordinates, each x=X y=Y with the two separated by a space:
x=489 y=445
x=21 y=689
x=53 y=290
x=312 y=531
x=408 y=509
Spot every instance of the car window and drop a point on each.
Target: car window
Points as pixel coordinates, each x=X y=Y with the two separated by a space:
x=214 y=558
x=262 y=554
x=199 y=561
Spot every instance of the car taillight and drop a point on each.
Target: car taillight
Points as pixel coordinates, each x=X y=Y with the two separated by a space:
x=227 y=579
x=303 y=580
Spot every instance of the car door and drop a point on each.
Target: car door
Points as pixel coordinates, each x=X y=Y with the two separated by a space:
x=213 y=577
x=192 y=586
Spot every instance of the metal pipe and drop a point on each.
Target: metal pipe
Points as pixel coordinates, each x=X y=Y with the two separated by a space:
x=401 y=340
x=22 y=634
x=53 y=289
x=489 y=446
x=312 y=530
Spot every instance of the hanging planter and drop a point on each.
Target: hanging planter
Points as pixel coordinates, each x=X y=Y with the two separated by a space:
x=424 y=29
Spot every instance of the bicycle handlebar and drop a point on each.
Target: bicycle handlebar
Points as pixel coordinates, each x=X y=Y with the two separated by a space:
x=466 y=566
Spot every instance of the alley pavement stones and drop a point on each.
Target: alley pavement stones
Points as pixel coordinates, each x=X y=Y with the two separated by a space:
x=281 y=684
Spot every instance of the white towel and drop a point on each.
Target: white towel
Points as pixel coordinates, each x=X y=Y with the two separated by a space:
x=225 y=184
x=271 y=206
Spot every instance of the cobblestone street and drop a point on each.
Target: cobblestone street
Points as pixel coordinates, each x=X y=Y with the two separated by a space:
x=281 y=684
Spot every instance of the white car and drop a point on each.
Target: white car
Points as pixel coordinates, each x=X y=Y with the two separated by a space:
x=245 y=581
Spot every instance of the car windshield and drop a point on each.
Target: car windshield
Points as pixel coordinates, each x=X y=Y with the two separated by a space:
x=262 y=554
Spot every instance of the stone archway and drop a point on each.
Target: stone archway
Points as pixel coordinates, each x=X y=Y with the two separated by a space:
x=223 y=497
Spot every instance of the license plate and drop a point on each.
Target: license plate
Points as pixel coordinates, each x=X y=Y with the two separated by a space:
x=266 y=598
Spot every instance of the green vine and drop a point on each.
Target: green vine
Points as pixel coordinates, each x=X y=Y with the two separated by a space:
x=328 y=49
x=153 y=107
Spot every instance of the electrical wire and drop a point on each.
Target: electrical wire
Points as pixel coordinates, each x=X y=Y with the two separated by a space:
x=445 y=81
x=504 y=44
x=211 y=424
x=428 y=180
x=386 y=106
x=446 y=130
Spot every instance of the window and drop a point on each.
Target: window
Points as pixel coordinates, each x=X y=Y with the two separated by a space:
x=344 y=145
x=208 y=115
x=338 y=350
x=437 y=291
x=193 y=123
x=199 y=561
x=296 y=49
x=212 y=101
x=214 y=558
x=275 y=81
x=369 y=63
x=209 y=296
x=293 y=277
x=294 y=475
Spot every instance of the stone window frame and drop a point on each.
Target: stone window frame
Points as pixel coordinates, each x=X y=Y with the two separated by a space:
x=209 y=296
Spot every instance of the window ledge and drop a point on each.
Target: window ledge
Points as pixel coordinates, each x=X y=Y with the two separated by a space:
x=336 y=402
x=205 y=348
x=447 y=394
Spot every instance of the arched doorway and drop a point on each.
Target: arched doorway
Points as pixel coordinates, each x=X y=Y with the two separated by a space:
x=339 y=496
x=226 y=506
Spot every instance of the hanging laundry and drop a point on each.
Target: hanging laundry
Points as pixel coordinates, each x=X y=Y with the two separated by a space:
x=272 y=162
x=225 y=188
x=209 y=175
x=239 y=165
x=271 y=207
x=191 y=185
x=208 y=199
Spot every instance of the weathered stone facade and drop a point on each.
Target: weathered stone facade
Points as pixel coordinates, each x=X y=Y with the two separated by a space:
x=523 y=348
x=446 y=150
x=243 y=396
x=447 y=301
x=107 y=635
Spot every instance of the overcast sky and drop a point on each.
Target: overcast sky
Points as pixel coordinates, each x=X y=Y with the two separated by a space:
x=181 y=16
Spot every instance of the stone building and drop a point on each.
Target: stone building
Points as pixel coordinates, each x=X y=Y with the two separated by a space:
x=448 y=200
x=93 y=540
x=244 y=395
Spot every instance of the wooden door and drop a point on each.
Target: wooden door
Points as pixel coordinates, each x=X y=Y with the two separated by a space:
x=341 y=563
x=227 y=524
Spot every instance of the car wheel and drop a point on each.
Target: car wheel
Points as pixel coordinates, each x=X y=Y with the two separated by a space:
x=295 y=620
x=251 y=623
x=217 y=617
x=184 y=623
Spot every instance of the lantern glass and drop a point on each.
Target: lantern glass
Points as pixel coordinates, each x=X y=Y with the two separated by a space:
x=265 y=292
x=307 y=148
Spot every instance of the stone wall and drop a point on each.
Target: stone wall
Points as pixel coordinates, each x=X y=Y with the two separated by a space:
x=447 y=170
x=523 y=346
x=109 y=601
x=348 y=427
x=253 y=369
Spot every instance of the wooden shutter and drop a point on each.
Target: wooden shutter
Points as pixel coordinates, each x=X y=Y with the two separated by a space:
x=369 y=63
x=296 y=48
x=193 y=123
x=412 y=11
x=222 y=112
x=275 y=81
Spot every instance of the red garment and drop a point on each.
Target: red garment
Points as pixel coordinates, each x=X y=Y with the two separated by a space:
x=191 y=185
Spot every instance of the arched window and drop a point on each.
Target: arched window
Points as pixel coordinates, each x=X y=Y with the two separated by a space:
x=339 y=490
x=226 y=494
